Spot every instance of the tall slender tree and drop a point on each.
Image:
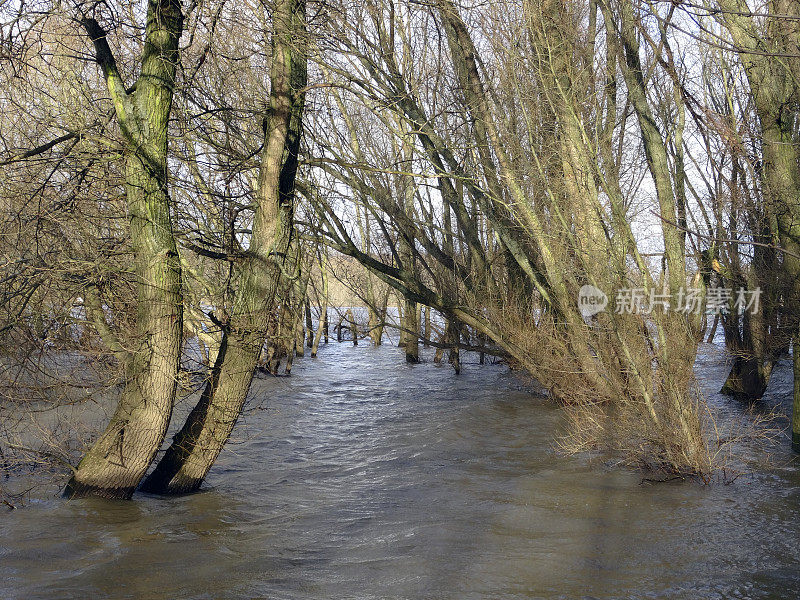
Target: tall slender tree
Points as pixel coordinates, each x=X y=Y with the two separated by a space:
x=119 y=459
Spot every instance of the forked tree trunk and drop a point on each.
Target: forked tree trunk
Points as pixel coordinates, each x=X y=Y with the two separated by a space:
x=116 y=463
x=197 y=445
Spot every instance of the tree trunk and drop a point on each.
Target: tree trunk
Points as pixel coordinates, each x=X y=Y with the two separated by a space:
x=300 y=300
x=410 y=325
x=309 y=325
x=351 y=318
x=454 y=356
x=116 y=463
x=322 y=324
x=426 y=332
x=197 y=445
x=748 y=378
x=300 y=336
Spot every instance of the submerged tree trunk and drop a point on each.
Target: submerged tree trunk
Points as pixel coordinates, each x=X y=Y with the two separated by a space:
x=300 y=299
x=377 y=314
x=454 y=356
x=426 y=331
x=116 y=463
x=309 y=325
x=197 y=445
x=351 y=318
x=410 y=328
x=322 y=324
x=754 y=355
x=748 y=378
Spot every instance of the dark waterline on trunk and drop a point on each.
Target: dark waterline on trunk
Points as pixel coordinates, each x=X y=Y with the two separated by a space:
x=364 y=477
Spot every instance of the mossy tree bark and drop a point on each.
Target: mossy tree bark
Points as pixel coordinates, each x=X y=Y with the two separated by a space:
x=197 y=445
x=118 y=460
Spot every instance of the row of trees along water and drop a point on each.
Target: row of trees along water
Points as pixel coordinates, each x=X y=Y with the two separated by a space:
x=183 y=182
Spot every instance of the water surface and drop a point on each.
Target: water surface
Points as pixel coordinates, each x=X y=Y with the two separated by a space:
x=363 y=477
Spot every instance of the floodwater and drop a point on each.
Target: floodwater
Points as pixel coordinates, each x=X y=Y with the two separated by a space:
x=363 y=477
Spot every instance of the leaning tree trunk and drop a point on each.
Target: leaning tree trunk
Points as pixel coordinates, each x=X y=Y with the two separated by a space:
x=116 y=463
x=197 y=445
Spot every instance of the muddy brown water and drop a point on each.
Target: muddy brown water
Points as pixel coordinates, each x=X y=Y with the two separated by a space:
x=363 y=477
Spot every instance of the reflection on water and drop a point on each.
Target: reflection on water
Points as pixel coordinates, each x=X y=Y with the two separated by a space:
x=363 y=477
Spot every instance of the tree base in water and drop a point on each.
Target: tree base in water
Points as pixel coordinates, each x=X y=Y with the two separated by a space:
x=156 y=485
x=76 y=489
x=747 y=380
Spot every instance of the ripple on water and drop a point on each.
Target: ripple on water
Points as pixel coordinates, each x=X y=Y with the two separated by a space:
x=363 y=477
